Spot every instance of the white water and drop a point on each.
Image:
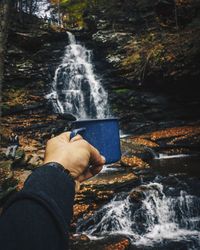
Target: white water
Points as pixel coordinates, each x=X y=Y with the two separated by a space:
x=166 y=156
x=44 y=9
x=157 y=218
x=41 y=8
x=75 y=88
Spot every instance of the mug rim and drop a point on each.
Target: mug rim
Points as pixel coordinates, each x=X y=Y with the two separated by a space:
x=96 y=120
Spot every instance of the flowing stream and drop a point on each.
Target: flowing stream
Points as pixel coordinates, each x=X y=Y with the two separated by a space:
x=161 y=214
x=75 y=88
x=167 y=213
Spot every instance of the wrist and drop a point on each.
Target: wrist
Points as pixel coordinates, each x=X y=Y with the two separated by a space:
x=61 y=168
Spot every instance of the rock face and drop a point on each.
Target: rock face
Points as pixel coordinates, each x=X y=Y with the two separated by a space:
x=34 y=51
x=135 y=33
x=147 y=54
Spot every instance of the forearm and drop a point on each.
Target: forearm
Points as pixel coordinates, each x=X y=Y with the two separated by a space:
x=39 y=216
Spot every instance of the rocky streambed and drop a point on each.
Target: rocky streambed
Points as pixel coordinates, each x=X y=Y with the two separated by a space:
x=135 y=203
x=131 y=205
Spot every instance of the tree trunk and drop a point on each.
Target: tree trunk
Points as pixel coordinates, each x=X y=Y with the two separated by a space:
x=176 y=14
x=31 y=7
x=20 y=11
x=4 y=18
x=26 y=6
x=59 y=22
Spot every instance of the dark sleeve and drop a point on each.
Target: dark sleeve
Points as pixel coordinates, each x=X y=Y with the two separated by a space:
x=38 y=217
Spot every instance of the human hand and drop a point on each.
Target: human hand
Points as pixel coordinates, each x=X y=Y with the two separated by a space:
x=76 y=155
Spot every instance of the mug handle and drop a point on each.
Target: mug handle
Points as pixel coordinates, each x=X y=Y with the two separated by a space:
x=74 y=132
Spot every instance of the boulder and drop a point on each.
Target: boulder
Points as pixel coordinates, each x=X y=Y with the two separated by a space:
x=138 y=194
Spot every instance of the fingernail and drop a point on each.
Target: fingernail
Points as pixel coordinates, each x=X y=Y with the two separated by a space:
x=103 y=158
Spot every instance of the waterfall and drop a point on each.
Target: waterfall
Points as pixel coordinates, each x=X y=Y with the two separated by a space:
x=75 y=88
x=155 y=218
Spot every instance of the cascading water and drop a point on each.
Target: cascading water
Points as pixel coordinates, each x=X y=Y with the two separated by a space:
x=76 y=89
x=162 y=214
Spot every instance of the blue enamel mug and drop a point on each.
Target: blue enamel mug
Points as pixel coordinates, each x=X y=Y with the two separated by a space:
x=103 y=134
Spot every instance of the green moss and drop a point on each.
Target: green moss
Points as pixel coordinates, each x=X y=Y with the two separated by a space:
x=4 y=107
x=121 y=91
x=74 y=11
x=132 y=59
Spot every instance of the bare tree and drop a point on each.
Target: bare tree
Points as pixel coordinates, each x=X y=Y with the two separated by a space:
x=59 y=16
x=4 y=18
x=176 y=14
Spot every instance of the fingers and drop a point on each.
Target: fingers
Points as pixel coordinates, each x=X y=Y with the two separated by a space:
x=90 y=172
x=95 y=170
x=96 y=159
x=88 y=154
x=66 y=136
x=77 y=186
x=84 y=176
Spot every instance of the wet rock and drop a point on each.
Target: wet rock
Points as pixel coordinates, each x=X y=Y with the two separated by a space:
x=20 y=154
x=112 y=181
x=93 y=193
x=84 y=209
x=8 y=183
x=2 y=156
x=138 y=194
x=108 y=243
x=79 y=237
x=133 y=162
x=22 y=108
x=35 y=160
x=138 y=148
x=80 y=209
x=68 y=117
x=19 y=160
x=99 y=190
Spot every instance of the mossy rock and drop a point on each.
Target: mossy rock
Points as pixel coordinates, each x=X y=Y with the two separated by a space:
x=20 y=154
x=5 y=108
x=8 y=183
x=121 y=91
